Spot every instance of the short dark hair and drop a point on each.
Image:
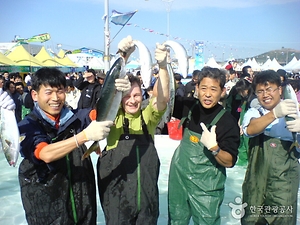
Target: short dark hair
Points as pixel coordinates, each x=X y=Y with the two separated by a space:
x=265 y=77
x=91 y=71
x=48 y=76
x=177 y=76
x=213 y=73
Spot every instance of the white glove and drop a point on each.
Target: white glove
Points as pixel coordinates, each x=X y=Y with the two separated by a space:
x=293 y=125
x=123 y=85
x=208 y=139
x=285 y=107
x=161 y=55
x=6 y=101
x=126 y=46
x=97 y=131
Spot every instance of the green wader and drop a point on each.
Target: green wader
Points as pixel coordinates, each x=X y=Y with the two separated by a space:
x=196 y=182
x=244 y=140
x=271 y=182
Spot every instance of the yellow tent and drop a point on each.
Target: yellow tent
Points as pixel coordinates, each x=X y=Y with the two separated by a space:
x=22 y=58
x=5 y=61
x=63 y=59
x=44 y=57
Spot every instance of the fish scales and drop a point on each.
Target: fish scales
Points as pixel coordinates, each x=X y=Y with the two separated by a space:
x=10 y=137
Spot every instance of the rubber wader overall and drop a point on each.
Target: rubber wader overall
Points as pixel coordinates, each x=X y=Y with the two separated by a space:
x=127 y=180
x=196 y=181
x=271 y=182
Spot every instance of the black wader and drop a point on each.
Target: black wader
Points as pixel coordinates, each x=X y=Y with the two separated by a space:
x=127 y=180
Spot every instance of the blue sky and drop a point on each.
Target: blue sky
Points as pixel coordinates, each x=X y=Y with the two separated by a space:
x=228 y=28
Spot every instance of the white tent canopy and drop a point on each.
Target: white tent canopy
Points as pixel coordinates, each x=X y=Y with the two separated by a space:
x=212 y=63
x=266 y=65
x=291 y=64
x=254 y=65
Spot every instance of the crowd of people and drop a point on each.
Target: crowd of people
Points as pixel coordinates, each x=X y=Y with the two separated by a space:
x=228 y=118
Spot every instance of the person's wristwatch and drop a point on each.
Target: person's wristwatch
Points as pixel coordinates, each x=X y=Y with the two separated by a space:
x=216 y=152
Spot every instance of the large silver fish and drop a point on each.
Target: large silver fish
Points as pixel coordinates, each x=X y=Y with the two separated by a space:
x=181 y=56
x=109 y=102
x=170 y=106
x=145 y=61
x=10 y=137
x=289 y=93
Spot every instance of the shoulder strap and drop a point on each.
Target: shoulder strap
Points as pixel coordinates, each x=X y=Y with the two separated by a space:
x=183 y=119
x=216 y=119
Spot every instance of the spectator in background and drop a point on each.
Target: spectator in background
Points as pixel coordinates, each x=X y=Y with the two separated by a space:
x=72 y=95
x=231 y=81
x=27 y=78
x=283 y=76
x=2 y=80
x=22 y=97
x=234 y=99
x=190 y=87
x=247 y=73
x=179 y=87
x=154 y=76
x=101 y=78
x=90 y=89
x=296 y=86
x=231 y=65
x=18 y=78
x=10 y=87
x=144 y=90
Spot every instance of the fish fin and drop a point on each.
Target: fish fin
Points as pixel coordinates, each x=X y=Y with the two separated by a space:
x=295 y=144
x=22 y=138
x=8 y=142
x=93 y=148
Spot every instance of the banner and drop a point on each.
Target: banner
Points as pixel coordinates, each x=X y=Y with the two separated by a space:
x=121 y=18
x=199 y=55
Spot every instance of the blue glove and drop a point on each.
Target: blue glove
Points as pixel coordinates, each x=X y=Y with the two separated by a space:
x=6 y=101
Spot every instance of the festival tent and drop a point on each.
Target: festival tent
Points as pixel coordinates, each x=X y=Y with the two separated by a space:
x=212 y=63
x=64 y=60
x=133 y=64
x=5 y=61
x=290 y=65
x=296 y=67
x=254 y=65
x=267 y=64
x=80 y=59
x=248 y=63
x=275 y=65
x=44 y=57
x=22 y=58
x=96 y=63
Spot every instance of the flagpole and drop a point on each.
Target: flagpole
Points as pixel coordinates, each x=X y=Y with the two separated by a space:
x=106 y=37
x=116 y=34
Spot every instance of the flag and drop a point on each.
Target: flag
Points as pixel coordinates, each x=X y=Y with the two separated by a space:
x=39 y=38
x=121 y=18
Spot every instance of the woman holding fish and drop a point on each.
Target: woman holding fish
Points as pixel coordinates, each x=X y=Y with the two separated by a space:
x=270 y=188
x=129 y=166
x=57 y=187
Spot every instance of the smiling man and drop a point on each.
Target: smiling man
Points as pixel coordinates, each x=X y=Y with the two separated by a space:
x=272 y=179
x=209 y=145
x=57 y=187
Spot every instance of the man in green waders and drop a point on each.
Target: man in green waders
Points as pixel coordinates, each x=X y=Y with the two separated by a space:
x=272 y=177
x=210 y=143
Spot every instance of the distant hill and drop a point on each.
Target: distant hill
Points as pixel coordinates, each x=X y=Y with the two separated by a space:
x=283 y=56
